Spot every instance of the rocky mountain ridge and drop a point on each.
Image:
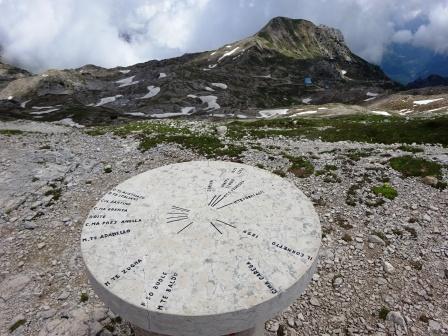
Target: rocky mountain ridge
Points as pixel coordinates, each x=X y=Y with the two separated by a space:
x=288 y=63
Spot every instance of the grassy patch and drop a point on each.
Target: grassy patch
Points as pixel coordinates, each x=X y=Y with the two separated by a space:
x=385 y=190
x=361 y=128
x=383 y=313
x=84 y=297
x=343 y=223
x=279 y=172
x=410 y=149
x=203 y=144
x=300 y=167
x=17 y=325
x=55 y=192
x=410 y=166
x=417 y=265
x=9 y=132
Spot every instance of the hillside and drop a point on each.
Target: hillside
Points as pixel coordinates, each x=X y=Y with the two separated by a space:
x=275 y=62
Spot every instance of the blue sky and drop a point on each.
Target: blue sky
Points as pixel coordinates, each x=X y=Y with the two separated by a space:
x=42 y=34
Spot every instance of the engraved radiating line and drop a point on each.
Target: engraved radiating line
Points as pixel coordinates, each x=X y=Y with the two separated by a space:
x=219 y=199
x=215 y=227
x=226 y=223
x=177 y=220
x=184 y=228
x=177 y=213
x=174 y=217
x=211 y=201
x=181 y=209
x=226 y=205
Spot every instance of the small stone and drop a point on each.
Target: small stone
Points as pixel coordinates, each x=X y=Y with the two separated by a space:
x=47 y=314
x=64 y=295
x=388 y=268
x=338 y=281
x=314 y=302
x=376 y=240
x=221 y=130
x=434 y=326
x=290 y=322
x=272 y=326
x=316 y=277
x=426 y=218
x=29 y=225
x=40 y=246
x=430 y=180
x=396 y=318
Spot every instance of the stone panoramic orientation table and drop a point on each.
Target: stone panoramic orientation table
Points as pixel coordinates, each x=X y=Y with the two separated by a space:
x=201 y=248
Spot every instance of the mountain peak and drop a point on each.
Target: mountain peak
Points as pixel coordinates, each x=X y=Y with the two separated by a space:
x=302 y=39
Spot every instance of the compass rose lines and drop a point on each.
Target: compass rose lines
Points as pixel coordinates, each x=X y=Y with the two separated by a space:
x=215 y=227
x=243 y=199
x=218 y=198
x=214 y=224
x=177 y=214
x=226 y=223
x=184 y=228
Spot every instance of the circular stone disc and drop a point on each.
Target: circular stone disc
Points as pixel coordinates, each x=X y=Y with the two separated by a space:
x=201 y=248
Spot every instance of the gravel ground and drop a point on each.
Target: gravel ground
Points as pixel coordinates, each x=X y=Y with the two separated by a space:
x=383 y=267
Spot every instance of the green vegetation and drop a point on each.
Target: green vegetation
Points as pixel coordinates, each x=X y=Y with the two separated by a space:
x=416 y=265
x=9 y=132
x=16 y=325
x=84 y=297
x=279 y=172
x=301 y=167
x=347 y=238
x=343 y=223
x=410 y=166
x=107 y=169
x=152 y=134
x=385 y=190
x=55 y=192
x=203 y=144
x=361 y=128
x=410 y=149
x=383 y=313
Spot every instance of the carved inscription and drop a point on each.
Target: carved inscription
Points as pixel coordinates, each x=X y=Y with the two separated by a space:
x=125 y=194
x=107 y=235
x=292 y=251
x=162 y=288
x=261 y=277
x=167 y=293
x=122 y=272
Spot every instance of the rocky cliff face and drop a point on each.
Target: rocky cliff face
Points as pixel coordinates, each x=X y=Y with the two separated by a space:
x=266 y=70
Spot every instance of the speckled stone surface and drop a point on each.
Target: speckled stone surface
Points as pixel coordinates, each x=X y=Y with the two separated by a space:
x=201 y=248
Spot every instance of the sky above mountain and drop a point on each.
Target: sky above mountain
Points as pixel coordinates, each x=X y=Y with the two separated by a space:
x=42 y=34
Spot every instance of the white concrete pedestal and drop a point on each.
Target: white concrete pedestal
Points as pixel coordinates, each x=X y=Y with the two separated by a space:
x=201 y=248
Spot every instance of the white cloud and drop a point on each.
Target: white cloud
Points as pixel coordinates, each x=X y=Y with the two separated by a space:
x=40 y=34
x=434 y=34
x=402 y=36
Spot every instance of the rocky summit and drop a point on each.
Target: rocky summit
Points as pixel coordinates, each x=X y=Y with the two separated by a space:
x=287 y=63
